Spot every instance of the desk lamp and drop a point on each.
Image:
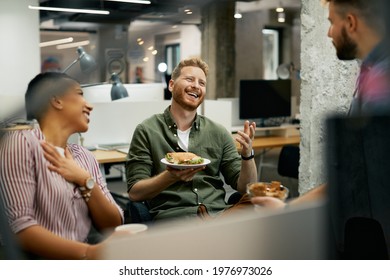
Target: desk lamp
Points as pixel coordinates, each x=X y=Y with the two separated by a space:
x=118 y=91
x=87 y=62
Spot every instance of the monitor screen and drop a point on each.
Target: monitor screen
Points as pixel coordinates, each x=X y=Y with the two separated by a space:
x=261 y=99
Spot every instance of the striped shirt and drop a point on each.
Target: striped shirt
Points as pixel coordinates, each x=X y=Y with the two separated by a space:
x=34 y=195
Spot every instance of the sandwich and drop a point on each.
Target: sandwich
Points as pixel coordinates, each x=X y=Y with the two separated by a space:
x=183 y=158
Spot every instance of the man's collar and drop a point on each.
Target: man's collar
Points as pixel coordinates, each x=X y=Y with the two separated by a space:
x=171 y=122
x=378 y=53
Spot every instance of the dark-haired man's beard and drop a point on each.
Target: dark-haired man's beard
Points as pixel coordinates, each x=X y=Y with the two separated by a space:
x=346 y=49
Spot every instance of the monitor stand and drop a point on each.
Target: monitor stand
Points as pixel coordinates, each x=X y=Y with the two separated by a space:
x=267 y=123
x=272 y=121
x=259 y=122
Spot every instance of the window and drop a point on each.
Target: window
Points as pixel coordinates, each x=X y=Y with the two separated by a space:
x=270 y=53
x=172 y=56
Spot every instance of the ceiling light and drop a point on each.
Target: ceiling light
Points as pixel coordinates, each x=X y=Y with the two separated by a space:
x=279 y=9
x=154 y=52
x=56 y=42
x=188 y=11
x=146 y=59
x=68 y=10
x=281 y=17
x=237 y=15
x=162 y=67
x=131 y=1
x=73 y=45
x=151 y=48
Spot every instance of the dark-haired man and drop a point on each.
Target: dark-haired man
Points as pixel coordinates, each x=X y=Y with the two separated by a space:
x=358 y=31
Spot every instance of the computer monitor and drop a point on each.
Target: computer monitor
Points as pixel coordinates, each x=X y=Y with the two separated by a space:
x=264 y=99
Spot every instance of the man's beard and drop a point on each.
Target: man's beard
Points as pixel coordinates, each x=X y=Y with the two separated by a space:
x=179 y=99
x=347 y=49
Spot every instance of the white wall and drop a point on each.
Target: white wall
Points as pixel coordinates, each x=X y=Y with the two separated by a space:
x=115 y=122
x=219 y=111
x=190 y=41
x=19 y=51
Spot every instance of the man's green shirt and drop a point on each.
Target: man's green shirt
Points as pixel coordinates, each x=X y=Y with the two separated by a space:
x=156 y=136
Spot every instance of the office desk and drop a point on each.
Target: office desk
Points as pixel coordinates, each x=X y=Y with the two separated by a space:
x=264 y=144
x=261 y=144
x=109 y=156
x=268 y=142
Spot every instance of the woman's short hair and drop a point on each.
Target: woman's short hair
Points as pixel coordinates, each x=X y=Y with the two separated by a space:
x=42 y=88
x=196 y=62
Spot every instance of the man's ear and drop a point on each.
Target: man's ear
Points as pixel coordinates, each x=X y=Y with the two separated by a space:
x=352 y=23
x=170 y=85
x=56 y=103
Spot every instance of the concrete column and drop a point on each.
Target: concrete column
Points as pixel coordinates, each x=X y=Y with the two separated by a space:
x=19 y=51
x=326 y=87
x=218 y=48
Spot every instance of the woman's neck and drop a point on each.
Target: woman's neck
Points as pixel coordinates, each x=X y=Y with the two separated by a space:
x=55 y=133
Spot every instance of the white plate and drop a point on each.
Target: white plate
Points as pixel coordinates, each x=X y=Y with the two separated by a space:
x=185 y=166
x=132 y=228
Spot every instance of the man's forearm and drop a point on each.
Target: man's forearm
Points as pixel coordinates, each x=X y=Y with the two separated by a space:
x=248 y=174
x=314 y=194
x=148 y=188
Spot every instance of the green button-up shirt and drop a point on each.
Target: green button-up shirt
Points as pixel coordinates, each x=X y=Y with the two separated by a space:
x=156 y=136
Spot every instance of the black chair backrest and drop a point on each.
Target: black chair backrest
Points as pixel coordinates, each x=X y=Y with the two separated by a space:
x=364 y=239
x=288 y=164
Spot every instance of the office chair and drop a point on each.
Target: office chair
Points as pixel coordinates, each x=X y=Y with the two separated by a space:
x=234 y=198
x=364 y=240
x=139 y=212
x=9 y=247
x=288 y=164
x=134 y=212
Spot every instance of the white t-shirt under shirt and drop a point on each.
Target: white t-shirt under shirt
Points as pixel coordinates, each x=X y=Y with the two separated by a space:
x=183 y=137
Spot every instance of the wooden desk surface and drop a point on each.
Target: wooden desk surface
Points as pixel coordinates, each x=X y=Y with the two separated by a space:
x=262 y=142
x=274 y=141
x=109 y=156
x=268 y=142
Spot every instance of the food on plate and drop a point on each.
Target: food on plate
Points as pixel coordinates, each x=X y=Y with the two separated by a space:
x=273 y=189
x=183 y=158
